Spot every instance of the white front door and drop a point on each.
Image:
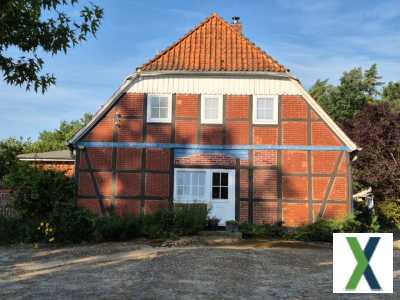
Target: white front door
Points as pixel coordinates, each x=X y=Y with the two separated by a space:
x=222 y=200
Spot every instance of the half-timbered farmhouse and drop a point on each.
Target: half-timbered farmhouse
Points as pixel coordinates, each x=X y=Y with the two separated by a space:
x=214 y=119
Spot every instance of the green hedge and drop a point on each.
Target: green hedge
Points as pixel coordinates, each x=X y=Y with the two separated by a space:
x=321 y=230
x=75 y=225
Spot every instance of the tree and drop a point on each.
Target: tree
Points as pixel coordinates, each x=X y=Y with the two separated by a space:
x=372 y=82
x=47 y=141
x=322 y=91
x=356 y=89
x=41 y=25
x=9 y=149
x=391 y=95
x=376 y=129
x=56 y=139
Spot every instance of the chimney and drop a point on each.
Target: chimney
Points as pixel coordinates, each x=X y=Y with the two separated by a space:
x=236 y=25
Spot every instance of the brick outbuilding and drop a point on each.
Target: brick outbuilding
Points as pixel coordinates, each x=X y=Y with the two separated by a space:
x=60 y=161
x=214 y=119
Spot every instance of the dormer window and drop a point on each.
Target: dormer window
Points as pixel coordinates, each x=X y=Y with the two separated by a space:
x=265 y=109
x=159 y=108
x=211 y=109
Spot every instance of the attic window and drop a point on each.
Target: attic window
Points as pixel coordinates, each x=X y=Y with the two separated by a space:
x=159 y=108
x=211 y=109
x=265 y=109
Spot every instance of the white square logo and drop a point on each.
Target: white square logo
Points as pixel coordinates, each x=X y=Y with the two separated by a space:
x=363 y=263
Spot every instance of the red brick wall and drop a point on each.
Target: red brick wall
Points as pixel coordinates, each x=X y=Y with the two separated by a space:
x=211 y=135
x=187 y=106
x=67 y=167
x=283 y=180
x=293 y=107
x=206 y=159
x=186 y=132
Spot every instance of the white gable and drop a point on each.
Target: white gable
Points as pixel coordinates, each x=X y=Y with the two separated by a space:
x=214 y=85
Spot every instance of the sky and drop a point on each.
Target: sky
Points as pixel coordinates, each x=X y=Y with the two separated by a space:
x=315 y=39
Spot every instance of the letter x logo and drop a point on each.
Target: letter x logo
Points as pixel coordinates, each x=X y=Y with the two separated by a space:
x=363 y=267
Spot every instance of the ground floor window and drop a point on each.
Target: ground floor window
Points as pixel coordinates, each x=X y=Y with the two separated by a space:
x=190 y=185
x=202 y=185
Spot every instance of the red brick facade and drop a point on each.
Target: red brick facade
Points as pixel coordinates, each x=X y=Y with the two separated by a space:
x=295 y=186
x=67 y=167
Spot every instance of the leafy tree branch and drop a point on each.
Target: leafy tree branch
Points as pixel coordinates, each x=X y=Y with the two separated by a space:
x=30 y=26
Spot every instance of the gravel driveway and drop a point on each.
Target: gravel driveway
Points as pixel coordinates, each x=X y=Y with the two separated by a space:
x=138 y=271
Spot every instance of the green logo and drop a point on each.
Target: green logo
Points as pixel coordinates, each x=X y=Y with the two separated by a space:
x=363 y=268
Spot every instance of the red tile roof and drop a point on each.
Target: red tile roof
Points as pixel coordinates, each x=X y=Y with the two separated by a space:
x=213 y=45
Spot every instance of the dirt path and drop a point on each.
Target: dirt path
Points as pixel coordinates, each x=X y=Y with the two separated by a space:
x=139 y=271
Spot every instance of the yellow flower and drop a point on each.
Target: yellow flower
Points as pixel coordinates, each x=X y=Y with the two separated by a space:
x=51 y=239
x=41 y=224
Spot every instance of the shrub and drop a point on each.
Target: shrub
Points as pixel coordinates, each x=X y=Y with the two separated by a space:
x=15 y=230
x=38 y=193
x=182 y=220
x=388 y=212
x=73 y=225
x=270 y=231
x=159 y=224
x=190 y=219
x=133 y=227
x=322 y=230
x=109 y=228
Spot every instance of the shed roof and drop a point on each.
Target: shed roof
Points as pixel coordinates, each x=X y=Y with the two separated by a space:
x=60 y=155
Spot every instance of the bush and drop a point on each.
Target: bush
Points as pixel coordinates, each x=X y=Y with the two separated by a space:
x=133 y=227
x=322 y=230
x=270 y=231
x=14 y=230
x=39 y=193
x=190 y=219
x=73 y=225
x=110 y=228
x=159 y=224
x=388 y=212
x=182 y=220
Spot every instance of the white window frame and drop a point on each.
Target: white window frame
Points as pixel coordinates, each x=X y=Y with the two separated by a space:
x=274 y=119
x=159 y=120
x=208 y=199
x=219 y=119
x=177 y=198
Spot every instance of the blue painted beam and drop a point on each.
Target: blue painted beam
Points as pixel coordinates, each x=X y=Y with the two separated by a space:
x=208 y=147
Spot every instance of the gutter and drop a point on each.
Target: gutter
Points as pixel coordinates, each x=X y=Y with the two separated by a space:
x=47 y=159
x=216 y=74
